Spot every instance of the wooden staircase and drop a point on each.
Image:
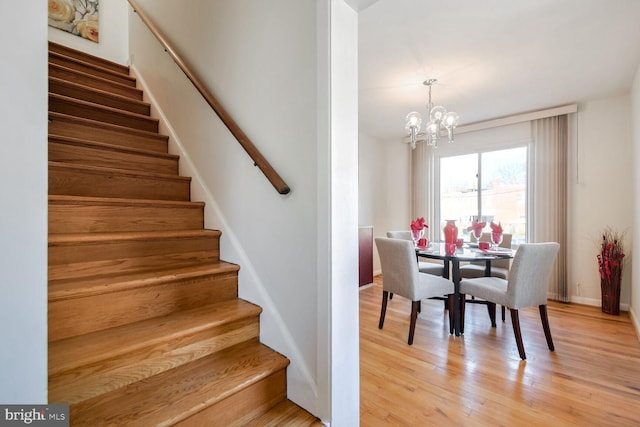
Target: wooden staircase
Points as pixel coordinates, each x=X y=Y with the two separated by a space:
x=145 y=324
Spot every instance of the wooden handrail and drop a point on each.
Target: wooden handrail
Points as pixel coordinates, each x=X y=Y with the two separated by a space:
x=257 y=157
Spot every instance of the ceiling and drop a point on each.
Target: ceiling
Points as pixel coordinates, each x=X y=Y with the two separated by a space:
x=492 y=58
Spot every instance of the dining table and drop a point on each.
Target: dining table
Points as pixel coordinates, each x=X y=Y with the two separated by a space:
x=468 y=252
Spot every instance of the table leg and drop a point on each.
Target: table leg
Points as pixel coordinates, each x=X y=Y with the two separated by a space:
x=455 y=270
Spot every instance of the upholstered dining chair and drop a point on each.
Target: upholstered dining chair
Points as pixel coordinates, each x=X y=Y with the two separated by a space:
x=400 y=275
x=526 y=286
x=423 y=267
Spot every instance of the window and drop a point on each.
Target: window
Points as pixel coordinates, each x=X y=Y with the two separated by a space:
x=489 y=185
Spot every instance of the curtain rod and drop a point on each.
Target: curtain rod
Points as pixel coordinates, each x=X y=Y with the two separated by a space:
x=518 y=118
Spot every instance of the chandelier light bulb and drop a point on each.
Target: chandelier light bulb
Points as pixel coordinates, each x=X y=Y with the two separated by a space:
x=413 y=120
x=451 y=120
x=437 y=114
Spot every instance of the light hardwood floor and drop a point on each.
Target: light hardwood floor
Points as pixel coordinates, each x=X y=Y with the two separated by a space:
x=478 y=379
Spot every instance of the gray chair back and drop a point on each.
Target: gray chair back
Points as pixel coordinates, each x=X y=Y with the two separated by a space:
x=399 y=266
x=529 y=275
x=404 y=235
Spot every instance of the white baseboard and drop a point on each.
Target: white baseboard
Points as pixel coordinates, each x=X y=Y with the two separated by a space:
x=636 y=323
x=594 y=302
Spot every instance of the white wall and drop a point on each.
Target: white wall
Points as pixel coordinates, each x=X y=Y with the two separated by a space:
x=343 y=215
x=23 y=228
x=384 y=187
x=634 y=260
x=114 y=42
x=601 y=184
x=279 y=81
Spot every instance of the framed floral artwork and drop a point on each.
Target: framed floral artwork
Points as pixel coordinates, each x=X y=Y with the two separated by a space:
x=79 y=17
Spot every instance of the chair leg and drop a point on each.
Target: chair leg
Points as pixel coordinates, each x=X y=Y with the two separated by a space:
x=414 y=315
x=390 y=295
x=545 y=325
x=463 y=303
x=491 y=308
x=383 y=310
x=449 y=303
x=419 y=306
x=503 y=308
x=515 y=320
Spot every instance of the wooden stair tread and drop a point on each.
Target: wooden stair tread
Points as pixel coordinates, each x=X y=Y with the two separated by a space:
x=127 y=172
x=78 y=288
x=66 y=73
x=65 y=104
x=286 y=414
x=175 y=395
x=83 y=56
x=96 y=124
x=56 y=58
x=82 y=92
x=87 y=152
x=69 y=353
x=112 y=147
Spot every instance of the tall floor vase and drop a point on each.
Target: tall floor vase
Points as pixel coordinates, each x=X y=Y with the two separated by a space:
x=610 y=288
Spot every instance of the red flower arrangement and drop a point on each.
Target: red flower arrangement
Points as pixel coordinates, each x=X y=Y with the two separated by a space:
x=610 y=266
x=417 y=231
x=476 y=228
x=418 y=224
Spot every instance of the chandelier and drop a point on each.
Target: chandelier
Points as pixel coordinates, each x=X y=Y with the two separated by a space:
x=439 y=120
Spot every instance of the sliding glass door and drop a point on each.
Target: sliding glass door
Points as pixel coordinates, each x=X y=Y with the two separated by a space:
x=490 y=186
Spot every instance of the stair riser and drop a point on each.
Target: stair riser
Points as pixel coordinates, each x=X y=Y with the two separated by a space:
x=89 y=95
x=76 y=76
x=77 y=316
x=71 y=182
x=84 y=218
x=105 y=133
x=110 y=251
x=88 y=381
x=96 y=112
x=90 y=69
x=110 y=267
x=240 y=408
x=63 y=50
x=88 y=155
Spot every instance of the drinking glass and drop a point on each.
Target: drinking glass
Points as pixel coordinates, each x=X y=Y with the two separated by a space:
x=496 y=239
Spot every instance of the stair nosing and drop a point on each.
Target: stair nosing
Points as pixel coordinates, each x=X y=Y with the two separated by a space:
x=119 y=75
x=68 y=140
x=94 y=105
x=110 y=126
x=126 y=172
x=118 y=201
x=89 y=238
x=60 y=291
x=135 y=336
x=100 y=92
